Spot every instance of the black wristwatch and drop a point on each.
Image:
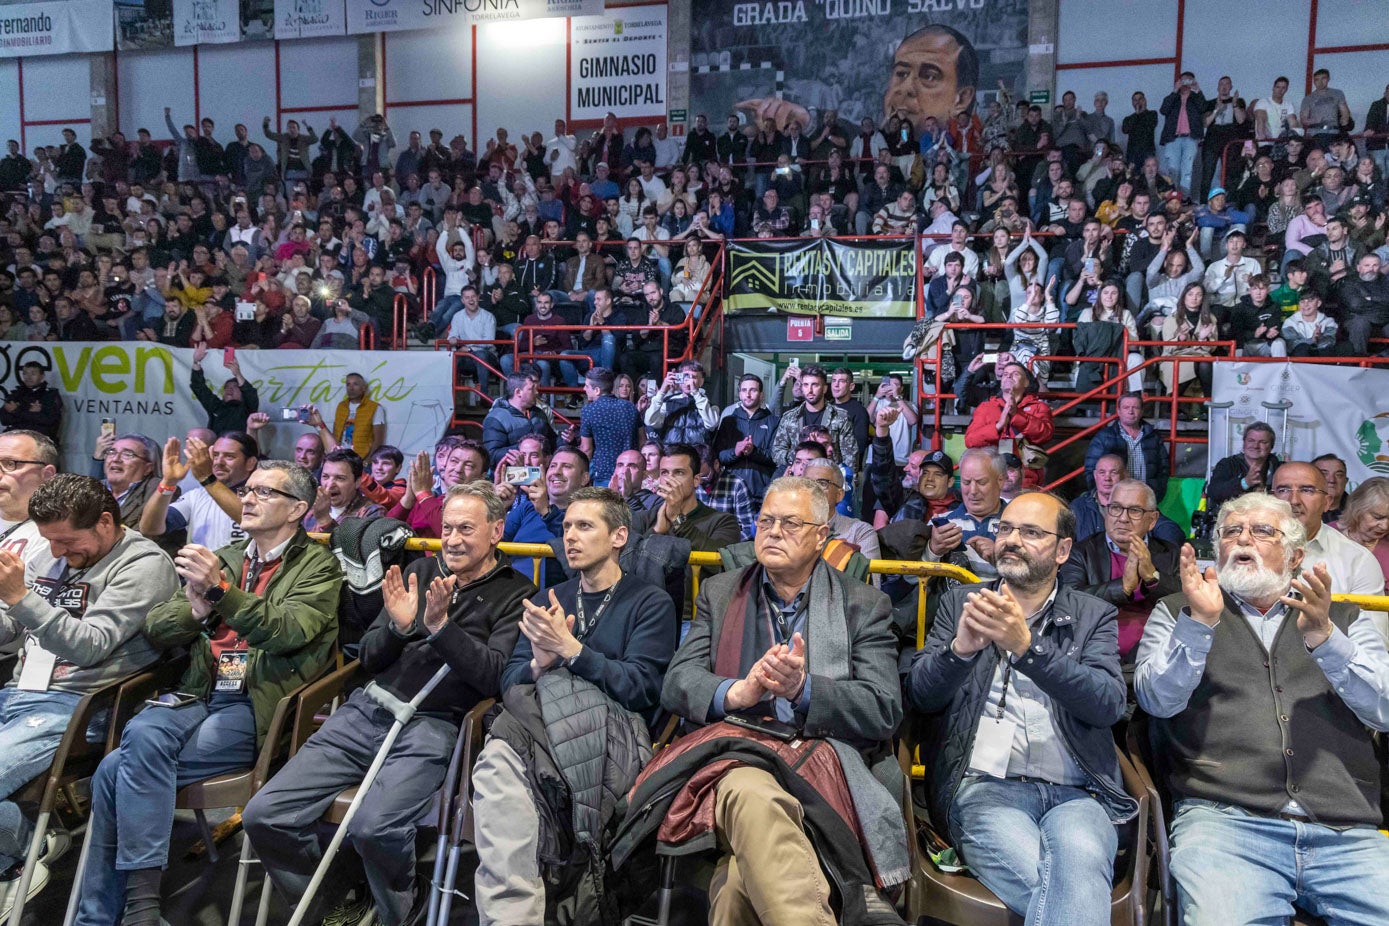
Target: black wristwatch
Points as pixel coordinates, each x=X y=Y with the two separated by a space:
x=216 y=592
x=211 y=478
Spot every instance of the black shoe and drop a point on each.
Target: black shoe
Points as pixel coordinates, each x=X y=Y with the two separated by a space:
x=425 y=332
x=419 y=913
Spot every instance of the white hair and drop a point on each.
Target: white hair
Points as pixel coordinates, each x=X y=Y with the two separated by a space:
x=819 y=502
x=1294 y=535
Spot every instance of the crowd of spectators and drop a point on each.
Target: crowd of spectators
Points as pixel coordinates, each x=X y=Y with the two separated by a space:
x=1086 y=610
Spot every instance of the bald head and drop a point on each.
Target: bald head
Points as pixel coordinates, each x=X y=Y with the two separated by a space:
x=1303 y=487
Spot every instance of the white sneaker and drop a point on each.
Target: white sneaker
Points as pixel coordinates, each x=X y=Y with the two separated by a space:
x=56 y=845
x=36 y=886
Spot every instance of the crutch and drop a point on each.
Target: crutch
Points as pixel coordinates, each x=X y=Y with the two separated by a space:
x=460 y=828
x=1282 y=405
x=402 y=711
x=446 y=796
x=1223 y=407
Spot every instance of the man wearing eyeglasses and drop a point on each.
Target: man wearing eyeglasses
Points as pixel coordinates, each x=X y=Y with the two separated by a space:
x=965 y=535
x=1354 y=569
x=77 y=609
x=28 y=459
x=1021 y=678
x=1247 y=471
x=260 y=619
x=806 y=655
x=1267 y=696
x=1125 y=564
x=125 y=464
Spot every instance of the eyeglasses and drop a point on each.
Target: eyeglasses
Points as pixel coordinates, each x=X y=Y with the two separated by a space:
x=1265 y=533
x=1286 y=492
x=1131 y=512
x=265 y=493
x=126 y=455
x=10 y=466
x=1028 y=531
x=789 y=525
x=827 y=483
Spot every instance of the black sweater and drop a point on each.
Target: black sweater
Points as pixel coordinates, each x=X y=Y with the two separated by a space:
x=484 y=623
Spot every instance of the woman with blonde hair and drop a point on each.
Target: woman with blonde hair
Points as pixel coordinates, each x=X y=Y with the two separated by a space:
x=1365 y=519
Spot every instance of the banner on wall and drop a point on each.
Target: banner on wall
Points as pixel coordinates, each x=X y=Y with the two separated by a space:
x=817 y=276
x=55 y=28
x=798 y=60
x=144 y=387
x=400 y=15
x=207 y=22
x=617 y=64
x=309 y=19
x=1334 y=409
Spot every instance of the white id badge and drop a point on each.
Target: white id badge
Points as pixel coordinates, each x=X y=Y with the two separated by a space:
x=993 y=745
x=1005 y=445
x=38 y=668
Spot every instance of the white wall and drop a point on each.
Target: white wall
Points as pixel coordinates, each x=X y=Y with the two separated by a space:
x=1114 y=30
x=521 y=77
x=9 y=93
x=56 y=88
x=435 y=68
x=150 y=81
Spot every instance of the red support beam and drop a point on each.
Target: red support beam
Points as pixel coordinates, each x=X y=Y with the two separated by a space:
x=568 y=67
x=278 y=108
x=197 y=92
x=476 y=145
x=1343 y=49
x=84 y=121
x=1121 y=63
x=1181 y=28
x=290 y=110
x=462 y=101
x=1311 y=44
x=23 y=137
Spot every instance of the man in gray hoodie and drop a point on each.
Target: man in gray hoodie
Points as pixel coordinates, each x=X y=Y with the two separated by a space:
x=80 y=617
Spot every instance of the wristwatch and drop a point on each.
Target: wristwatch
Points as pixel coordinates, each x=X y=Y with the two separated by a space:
x=1149 y=583
x=215 y=594
x=211 y=478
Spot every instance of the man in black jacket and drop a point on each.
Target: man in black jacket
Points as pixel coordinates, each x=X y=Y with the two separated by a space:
x=744 y=439
x=1250 y=470
x=1364 y=300
x=1134 y=441
x=239 y=397
x=1021 y=680
x=461 y=610
x=1126 y=565
x=33 y=405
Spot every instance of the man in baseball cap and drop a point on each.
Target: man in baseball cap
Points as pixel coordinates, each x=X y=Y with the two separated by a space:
x=918 y=489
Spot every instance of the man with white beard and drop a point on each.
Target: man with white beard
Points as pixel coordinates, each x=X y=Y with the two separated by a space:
x=1265 y=696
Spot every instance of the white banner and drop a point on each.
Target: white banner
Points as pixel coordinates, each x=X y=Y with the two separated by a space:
x=399 y=15
x=1334 y=409
x=56 y=27
x=206 y=22
x=309 y=19
x=617 y=64
x=145 y=388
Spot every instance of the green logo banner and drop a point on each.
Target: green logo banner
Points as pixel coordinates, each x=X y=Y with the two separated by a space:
x=817 y=276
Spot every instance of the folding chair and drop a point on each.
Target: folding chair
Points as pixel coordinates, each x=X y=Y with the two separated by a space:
x=961 y=900
x=76 y=758
x=233 y=789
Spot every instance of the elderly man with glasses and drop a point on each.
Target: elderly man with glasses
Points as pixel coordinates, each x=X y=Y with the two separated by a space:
x=1267 y=696
x=124 y=465
x=1020 y=678
x=259 y=618
x=1125 y=564
x=830 y=478
x=1353 y=568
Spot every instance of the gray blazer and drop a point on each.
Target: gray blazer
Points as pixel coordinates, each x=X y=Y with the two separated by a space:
x=862 y=710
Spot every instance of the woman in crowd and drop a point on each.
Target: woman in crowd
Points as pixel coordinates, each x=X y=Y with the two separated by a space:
x=631 y=205
x=678 y=191
x=1191 y=321
x=677 y=220
x=1109 y=307
x=690 y=274
x=1037 y=306
x=1365 y=519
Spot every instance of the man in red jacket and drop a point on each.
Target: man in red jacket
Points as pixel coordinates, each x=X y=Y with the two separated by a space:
x=1012 y=418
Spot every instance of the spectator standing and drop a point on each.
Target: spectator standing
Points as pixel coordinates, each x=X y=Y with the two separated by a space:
x=842 y=395
x=1012 y=420
x=1135 y=441
x=239 y=397
x=1324 y=113
x=260 y=617
x=680 y=412
x=514 y=416
x=744 y=438
x=1182 y=130
x=33 y=405
x=814 y=411
x=475 y=324
x=607 y=425
x=359 y=423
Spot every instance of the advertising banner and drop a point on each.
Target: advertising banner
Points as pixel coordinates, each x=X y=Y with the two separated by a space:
x=206 y=22
x=817 y=276
x=617 y=64
x=55 y=28
x=399 y=15
x=309 y=19
x=863 y=58
x=145 y=388
x=1331 y=409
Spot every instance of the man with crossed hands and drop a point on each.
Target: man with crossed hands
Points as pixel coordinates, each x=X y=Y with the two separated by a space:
x=1266 y=695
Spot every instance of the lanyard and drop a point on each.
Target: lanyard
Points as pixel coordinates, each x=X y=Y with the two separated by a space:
x=253 y=570
x=584 y=624
x=12 y=528
x=1003 y=698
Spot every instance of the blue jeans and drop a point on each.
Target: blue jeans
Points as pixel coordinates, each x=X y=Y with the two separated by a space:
x=1047 y=851
x=569 y=374
x=603 y=353
x=162 y=749
x=484 y=375
x=1232 y=867
x=1178 y=159
x=443 y=313
x=32 y=723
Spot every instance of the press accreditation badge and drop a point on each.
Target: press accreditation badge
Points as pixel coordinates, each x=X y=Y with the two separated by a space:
x=231 y=671
x=993 y=745
x=1005 y=445
x=39 y=664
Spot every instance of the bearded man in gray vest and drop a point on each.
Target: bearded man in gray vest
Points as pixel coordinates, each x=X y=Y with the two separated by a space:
x=1266 y=696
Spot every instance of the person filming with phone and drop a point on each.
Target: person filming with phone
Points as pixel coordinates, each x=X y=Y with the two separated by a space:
x=239 y=399
x=786 y=655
